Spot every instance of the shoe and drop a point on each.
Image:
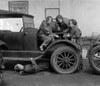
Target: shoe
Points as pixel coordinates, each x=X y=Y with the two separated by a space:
x=41 y=48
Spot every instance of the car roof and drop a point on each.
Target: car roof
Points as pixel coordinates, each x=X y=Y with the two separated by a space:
x=5 y=13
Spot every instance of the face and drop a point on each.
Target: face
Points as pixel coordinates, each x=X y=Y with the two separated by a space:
x=21 y=67
x=71 y=24
x=60 y=20
x=49 y=21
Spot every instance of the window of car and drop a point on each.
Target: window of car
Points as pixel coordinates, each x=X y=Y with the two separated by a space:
x=28 y=22
x=12 y=24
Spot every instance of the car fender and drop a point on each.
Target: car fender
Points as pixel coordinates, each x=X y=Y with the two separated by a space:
x=59 y=43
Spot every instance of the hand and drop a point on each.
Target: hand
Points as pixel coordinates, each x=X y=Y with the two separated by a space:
x=65 y=31
x=66 y=35
x=56 y=36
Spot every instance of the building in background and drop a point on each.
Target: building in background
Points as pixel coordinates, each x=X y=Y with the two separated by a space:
x=86 y=12
x=18 y=6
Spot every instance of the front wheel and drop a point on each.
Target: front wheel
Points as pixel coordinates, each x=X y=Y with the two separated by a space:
x=94 y=59
x=65 y=59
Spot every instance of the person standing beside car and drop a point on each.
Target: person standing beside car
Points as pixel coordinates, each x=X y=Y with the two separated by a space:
x=45 y=32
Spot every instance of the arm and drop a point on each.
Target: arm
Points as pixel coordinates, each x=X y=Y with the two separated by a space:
x=77 y=32
x=66 y=21
x=42 y=25
x=41 y=29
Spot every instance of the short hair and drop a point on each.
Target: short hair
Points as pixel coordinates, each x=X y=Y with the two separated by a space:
x=48 y=17
x=59 y=16
x=73 y=21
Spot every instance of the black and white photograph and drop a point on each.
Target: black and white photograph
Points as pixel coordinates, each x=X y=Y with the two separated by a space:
x=49 y=43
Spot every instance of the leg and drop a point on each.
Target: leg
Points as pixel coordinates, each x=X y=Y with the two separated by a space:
x=52 y=37
x=46 y=42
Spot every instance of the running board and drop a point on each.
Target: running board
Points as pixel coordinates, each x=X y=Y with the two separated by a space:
x=16 y=59
x=23 y=59
x=20 y=53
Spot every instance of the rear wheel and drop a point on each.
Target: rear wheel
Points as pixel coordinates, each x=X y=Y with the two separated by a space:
x=65 y=59
x=94 y=59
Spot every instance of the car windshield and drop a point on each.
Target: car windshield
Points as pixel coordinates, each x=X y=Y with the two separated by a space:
x=12 y=24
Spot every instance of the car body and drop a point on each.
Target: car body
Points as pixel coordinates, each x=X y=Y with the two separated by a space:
x=22 y=42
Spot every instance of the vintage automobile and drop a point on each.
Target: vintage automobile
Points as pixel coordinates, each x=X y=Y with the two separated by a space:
x=19 y=41
x=93 y=54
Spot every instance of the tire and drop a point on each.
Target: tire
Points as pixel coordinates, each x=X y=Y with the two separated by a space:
x=1 y=58
x=94 y=59
x=65 y=60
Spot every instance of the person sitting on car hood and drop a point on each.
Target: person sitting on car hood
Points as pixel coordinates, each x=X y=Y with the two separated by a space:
x=45 y=32
x=75 y=31
x=61 y=25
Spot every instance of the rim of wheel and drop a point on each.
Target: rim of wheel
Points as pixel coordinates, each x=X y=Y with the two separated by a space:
x=66 y=60
x=96 y=59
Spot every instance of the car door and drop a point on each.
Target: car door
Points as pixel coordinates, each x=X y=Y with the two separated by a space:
x=30 y=34
x=10 y=32
x=14 y=40
x=30 y=39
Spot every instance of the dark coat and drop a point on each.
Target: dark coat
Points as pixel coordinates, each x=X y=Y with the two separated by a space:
x=60 y=27
x=76 y=32
x=45 y=29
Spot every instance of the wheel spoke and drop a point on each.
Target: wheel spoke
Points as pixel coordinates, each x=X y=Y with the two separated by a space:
x=65 y=53
x=63 y=66
x=97 y=57
x=59 y=61
x=98 y=64
x=60 y=58
x=69 y=65
x=60 y=64
x=66 y=66
x=71 y=59
x=71 y=62
x=70 y=56
x=62 y=55
x=96 y=60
